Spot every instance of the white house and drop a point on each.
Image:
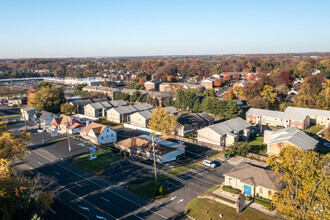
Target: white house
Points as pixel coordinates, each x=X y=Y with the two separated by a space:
x=46 y=117
x=98 y=133
x=29 y=113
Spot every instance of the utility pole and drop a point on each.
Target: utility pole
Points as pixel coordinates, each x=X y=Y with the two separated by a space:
x=153 y=136
x=67 y=131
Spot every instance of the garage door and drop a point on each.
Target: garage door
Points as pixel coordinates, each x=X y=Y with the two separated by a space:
x=247 y=190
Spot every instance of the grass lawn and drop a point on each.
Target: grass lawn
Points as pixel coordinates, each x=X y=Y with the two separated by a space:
x=314 y=129
x=197 y=209
x=257 y=146
x=104 y=158
x=9 y=116
x=114 y=125
x=146 y=189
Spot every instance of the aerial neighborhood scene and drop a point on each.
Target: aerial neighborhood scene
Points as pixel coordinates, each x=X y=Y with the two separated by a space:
x=202 y=110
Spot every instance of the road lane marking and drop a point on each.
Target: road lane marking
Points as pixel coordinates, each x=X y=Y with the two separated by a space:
x=95 y=183
x=138 y=217
x=181 y=200
x=105 y=199
x=78 y=184
x=100 y=217
x=40 y=163
x=84 y=208
x=52 y=211
x=173 y=198
x=58 y=173
x=171 y=183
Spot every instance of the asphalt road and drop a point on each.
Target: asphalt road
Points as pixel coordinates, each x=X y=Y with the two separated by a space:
x=83 y=195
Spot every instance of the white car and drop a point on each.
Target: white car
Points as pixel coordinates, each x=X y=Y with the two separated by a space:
x=208 y=163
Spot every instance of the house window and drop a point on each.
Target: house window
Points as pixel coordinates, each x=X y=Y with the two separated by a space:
x=101 y=138
x=111 y=135
x=260 y=190
x=230 y=180
x=237 y=182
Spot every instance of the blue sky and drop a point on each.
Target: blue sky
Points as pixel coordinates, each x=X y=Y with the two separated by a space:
x=78 y=28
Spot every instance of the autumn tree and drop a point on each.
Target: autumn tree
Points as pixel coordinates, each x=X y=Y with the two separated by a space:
x=304 y=68
x=162 y=120
x=217 y=82
x=230 y=95
x=305 y=178
x=67 y=108
x=47 y=99
x=269 y=94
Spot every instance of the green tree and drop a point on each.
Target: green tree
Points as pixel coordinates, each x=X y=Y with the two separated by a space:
x=47 y=99
x=188 y=100
x=121 y=96
x=305 y=176
x=239 y=148
x=67 y=108
x=162 y=120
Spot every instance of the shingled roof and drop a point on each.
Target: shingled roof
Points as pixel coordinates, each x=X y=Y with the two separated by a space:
x=255 y=176
x=97 y=128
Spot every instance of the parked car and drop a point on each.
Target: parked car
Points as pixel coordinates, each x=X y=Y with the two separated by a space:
x=208 y=163
x=327 y=144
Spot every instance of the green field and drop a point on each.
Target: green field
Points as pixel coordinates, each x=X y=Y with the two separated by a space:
x=104 y=158
x=205 y=209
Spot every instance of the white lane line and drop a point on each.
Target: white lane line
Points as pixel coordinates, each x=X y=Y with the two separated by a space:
x=105 y=199
x=91 y=181
x=100 y=217
x=138 y=217
x=181 y=200
x=58 y=173
x=173 y=198
x=78 y=184
x=171 y=183
x=84 y=208
x=52 y=211
x=40 y=163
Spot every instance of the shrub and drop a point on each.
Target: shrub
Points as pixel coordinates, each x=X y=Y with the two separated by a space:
x=161 y=191
x=231 y=189
x=247 y=198
x=115 y=150
x=125 y=153
x=265 y=202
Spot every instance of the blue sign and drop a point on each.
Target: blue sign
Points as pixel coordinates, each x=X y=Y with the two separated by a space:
x=92 y=150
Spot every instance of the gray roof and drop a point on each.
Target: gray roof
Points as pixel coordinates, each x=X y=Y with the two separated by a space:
x=307 y=111
x=143 y=106
x=117 y=103
x=28 y=108
x=171 y=109
x=206 y=116
x=99 y=100
x=82 y=102
x=44 y=115
x=277 y=114
x=125 y=109
x=97 y=105
x=231 y=126
x=145 y=114
x=189 y=119
x=255 y=176
x=106 y=104
x=295 y=137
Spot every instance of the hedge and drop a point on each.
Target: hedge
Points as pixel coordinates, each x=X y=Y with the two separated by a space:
x=265 y=202
x=231 y=189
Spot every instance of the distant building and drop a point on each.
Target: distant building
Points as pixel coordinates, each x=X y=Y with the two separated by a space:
x=190 y=123
x=225 y=133
x=17 y=101
x=316 y=116
x=208 y=83
x=46 y=118
x=152 y=85
x=29 y=113
x=278 y=140
x=98 y=133
x=97 y=109
x=141 y=119
x=120 y=114
x=67 y=124
x=277 y=118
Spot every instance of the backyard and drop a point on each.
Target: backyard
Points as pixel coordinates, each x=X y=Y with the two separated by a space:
x=114 y=125
x=314 y=129
x=104 y=158
x=257 y=146
x=205 y=209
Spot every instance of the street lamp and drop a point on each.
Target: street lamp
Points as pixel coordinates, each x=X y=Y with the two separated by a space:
x=153 y=136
